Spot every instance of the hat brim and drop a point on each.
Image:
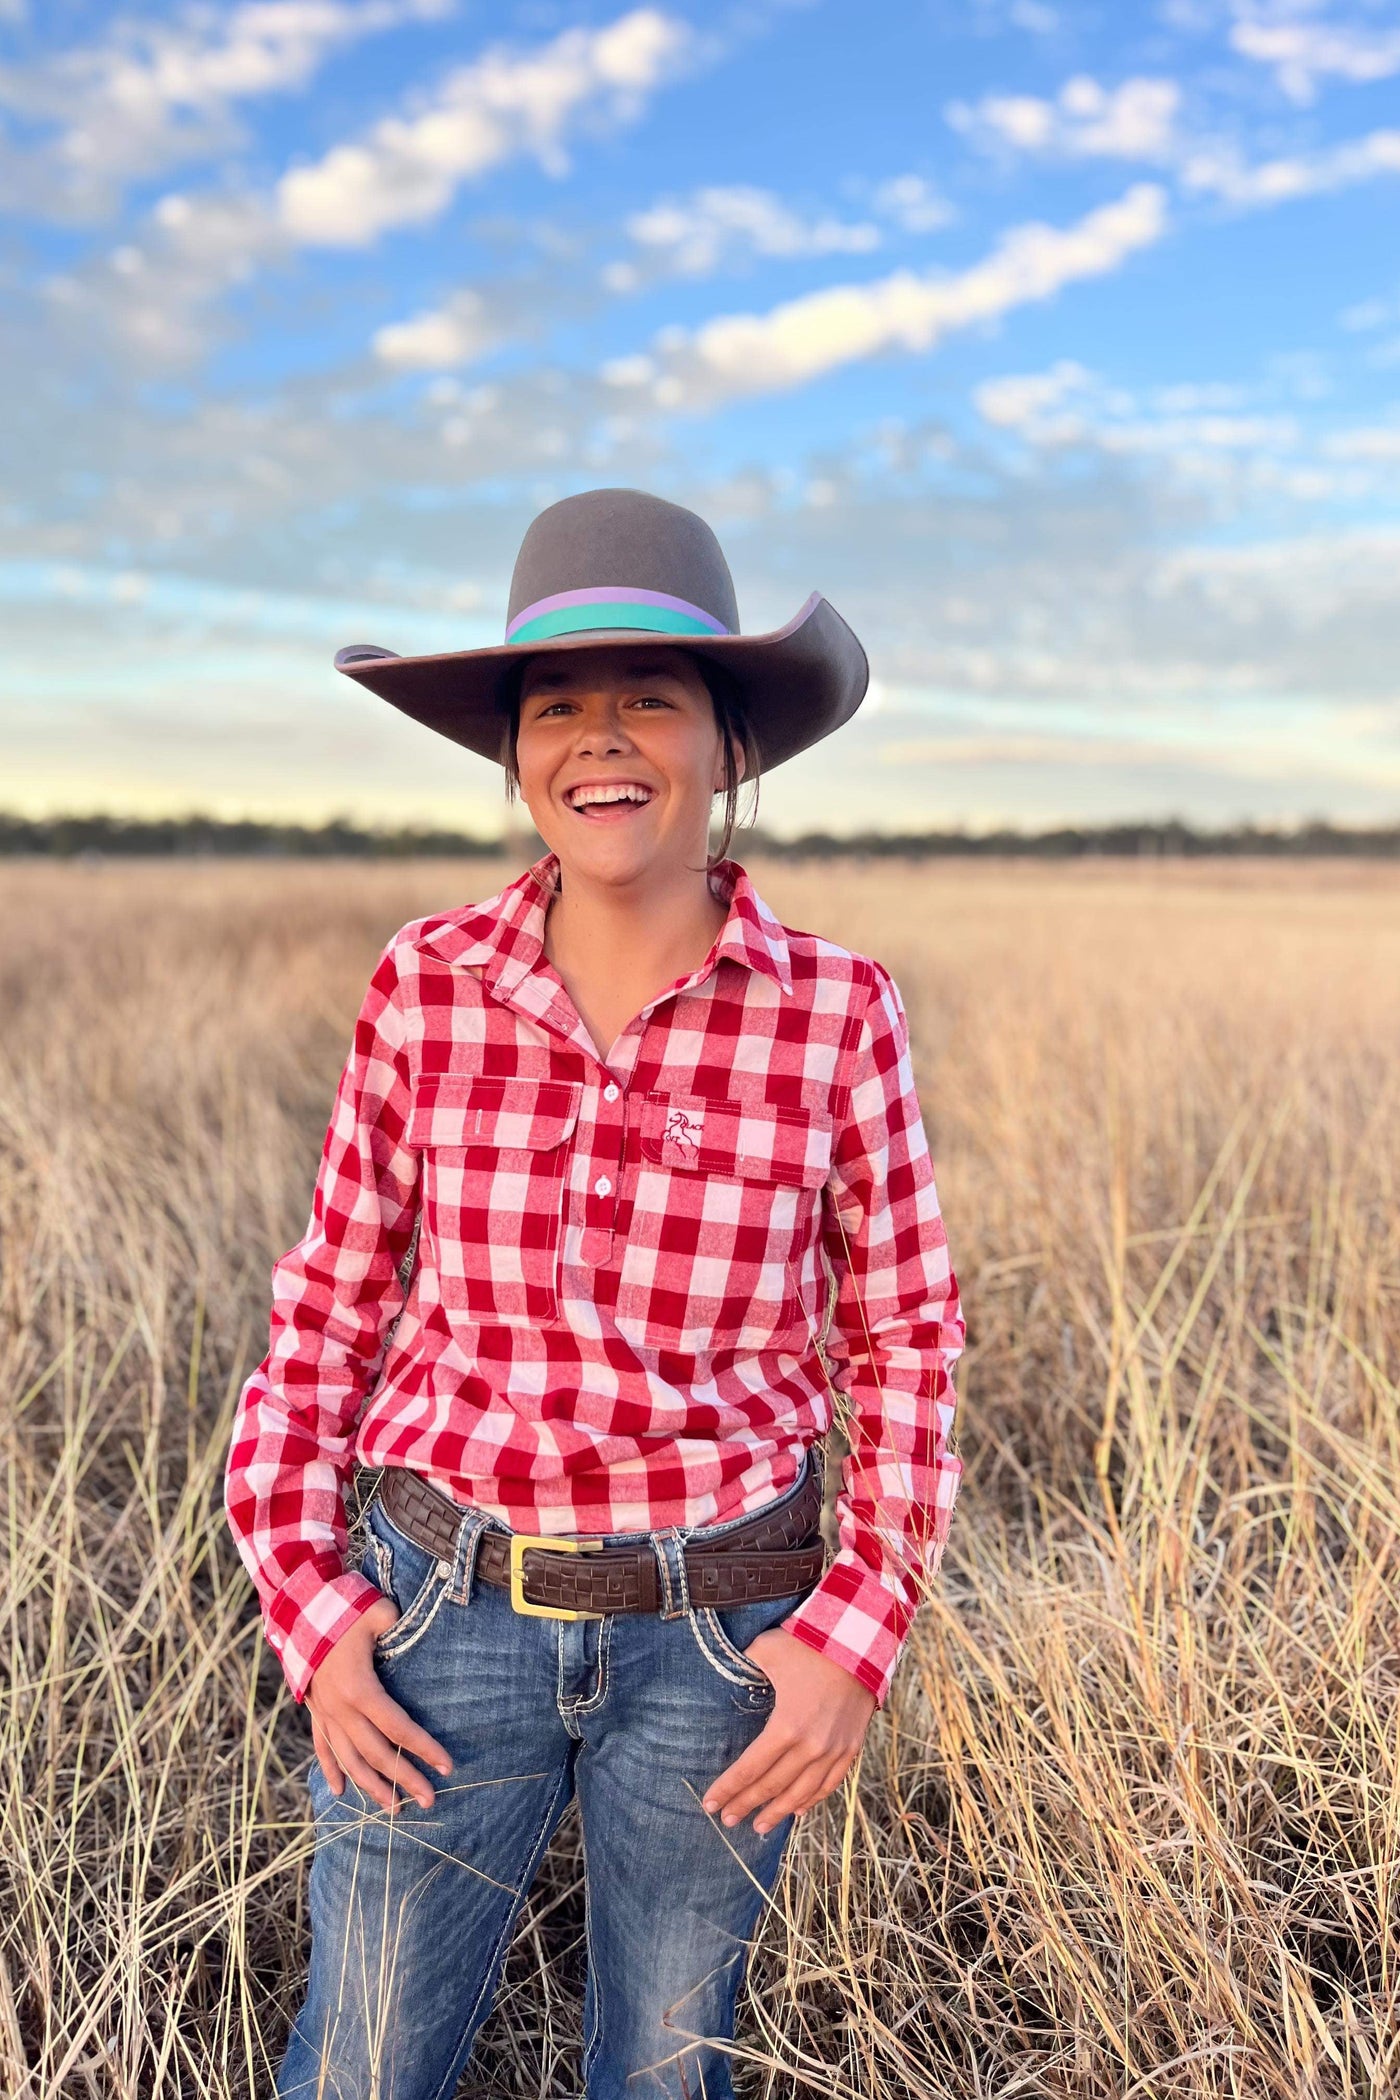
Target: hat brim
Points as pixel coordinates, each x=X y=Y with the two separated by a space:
x=801 y=681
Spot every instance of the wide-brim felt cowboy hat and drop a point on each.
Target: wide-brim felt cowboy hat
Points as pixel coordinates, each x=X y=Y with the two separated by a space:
x=617 y=566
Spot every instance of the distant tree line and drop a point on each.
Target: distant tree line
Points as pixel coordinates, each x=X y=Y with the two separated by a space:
x=194 y=836
x=1168 y=840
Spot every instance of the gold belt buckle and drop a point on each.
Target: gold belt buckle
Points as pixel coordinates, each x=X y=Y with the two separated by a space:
x=519 y=1541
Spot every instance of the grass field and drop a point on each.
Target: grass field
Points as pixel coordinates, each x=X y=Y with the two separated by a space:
x=1130 y=1824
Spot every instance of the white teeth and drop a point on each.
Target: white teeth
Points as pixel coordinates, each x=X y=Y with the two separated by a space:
x=623 y=791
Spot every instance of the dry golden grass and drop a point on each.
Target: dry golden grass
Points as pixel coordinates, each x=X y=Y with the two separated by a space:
x=1130 y=1824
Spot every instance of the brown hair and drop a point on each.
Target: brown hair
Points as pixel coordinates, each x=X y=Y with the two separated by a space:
x=731 y=720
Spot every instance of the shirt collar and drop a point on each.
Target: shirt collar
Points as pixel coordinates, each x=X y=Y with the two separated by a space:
x=504 y=937
x=751 y=934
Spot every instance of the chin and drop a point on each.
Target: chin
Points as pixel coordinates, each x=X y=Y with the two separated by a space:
x=607 y=860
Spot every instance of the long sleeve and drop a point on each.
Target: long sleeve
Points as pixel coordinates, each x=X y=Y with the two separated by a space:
x=897 y=1330
x=334 y=1296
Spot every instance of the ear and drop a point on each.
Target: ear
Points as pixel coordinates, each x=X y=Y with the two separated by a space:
x=738 y=764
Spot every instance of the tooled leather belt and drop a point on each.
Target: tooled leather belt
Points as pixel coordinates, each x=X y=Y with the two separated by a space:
x=775 y=1554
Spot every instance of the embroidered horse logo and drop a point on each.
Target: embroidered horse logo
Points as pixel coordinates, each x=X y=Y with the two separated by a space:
x=683 y=1129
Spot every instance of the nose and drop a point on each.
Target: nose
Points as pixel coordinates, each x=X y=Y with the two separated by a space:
x=600 y=732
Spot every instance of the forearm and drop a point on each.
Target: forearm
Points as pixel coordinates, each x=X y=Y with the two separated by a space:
x=897 y=1331
x=335 y=1295
x=899 y=1481
x=288 y=1467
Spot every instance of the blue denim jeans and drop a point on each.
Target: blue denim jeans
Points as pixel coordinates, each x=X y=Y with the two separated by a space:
x=412 y=1915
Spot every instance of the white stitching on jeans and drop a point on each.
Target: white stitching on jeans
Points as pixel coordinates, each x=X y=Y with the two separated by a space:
x=593 y=2041
x=381 y=1556
x=669 y=1607
x=386 y=1648
x=720 y=1661
x=589 y=1706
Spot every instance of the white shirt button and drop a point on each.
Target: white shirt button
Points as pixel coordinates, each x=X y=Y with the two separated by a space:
x=602 y=1186
x=610 y=1092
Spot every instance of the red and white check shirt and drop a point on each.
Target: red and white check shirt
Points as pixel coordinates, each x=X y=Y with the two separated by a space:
x=625 y=1269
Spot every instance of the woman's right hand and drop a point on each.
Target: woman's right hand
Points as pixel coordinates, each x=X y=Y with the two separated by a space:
x=360 y=1732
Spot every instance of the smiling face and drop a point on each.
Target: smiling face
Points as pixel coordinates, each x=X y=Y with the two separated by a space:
x=620 y=759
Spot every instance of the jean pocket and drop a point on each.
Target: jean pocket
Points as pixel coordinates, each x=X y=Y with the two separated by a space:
x=415 y=1579
x=723 y=1635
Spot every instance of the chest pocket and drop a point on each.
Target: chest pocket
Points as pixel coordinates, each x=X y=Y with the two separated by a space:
x=494 y=1152
x=721 y=1253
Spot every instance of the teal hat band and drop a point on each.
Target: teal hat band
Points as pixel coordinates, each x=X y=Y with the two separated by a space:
x=610 y=606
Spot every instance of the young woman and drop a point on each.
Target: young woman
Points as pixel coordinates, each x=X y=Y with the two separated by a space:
x=675 y=1198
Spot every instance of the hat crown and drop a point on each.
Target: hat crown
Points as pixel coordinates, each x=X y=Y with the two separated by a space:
x=623 y=540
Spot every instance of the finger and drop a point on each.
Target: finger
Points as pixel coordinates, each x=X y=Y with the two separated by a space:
x=327 y=1759
x=791 y=1803
x=400 y=1727
x=393 y=1762
x=371 y=1783
x=372 y=1762
x=803 y=1765
x=785 y=1773
x=771 y=1743
x=797 y=1800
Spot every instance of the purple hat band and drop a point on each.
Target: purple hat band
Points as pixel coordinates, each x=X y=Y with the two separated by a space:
x=610 y=606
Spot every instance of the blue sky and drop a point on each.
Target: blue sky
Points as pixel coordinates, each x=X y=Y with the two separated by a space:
x=1059 y=345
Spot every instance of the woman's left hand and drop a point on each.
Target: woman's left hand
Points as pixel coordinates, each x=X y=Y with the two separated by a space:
x=810 y=1741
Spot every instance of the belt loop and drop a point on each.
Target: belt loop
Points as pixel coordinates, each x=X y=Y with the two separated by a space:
x=474 y=1522
x=670 y=1560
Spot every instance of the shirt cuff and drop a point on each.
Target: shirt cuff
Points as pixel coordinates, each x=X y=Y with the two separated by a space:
x=853 y=1619
x=310 y=1613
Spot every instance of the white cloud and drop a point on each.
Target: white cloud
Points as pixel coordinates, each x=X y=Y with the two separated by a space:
x=1067 y=405
x=154 y=293
x=1366 y=314
x=1174 y=435
x=409 y=166
x=156 y=93
x=1303 y=53
x=1138 y=121
x=456 y=333
x=1304 y=582
x=636 y=370
x=694 y=235
x=1377 y=441
x=741 y=354
x=913 y=204
x=721 y=225
x=1084 y=121
x=1035 y=16
x=1220 y=172
x=1019 y=401
x=152 y=297
x=1310 y=756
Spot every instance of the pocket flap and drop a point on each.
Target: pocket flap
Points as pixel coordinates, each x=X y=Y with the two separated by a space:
x=508 y=1115
x=749 y=1140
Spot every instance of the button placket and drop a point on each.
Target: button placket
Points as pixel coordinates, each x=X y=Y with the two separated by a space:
x=549 y=1006
x=604 y=1173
